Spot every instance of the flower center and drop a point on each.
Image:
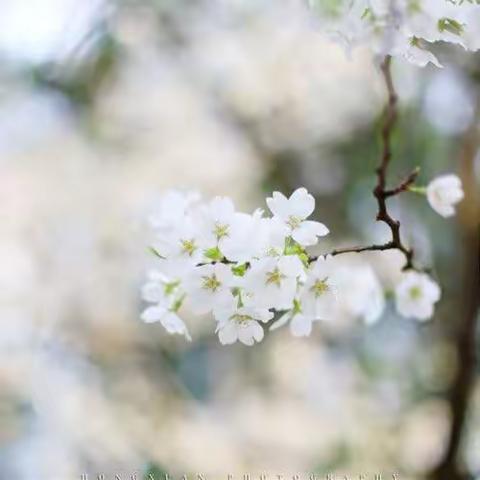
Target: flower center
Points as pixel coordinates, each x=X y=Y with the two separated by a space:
x=241 y=319
x=275 y=277
x=294 y=222
x=211 y=283
x=320 y=287
x=220 y=230
x=188 y=246
x=415 y=293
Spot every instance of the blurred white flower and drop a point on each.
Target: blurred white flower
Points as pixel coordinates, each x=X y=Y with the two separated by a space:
x=166 y=296
x=362 y=293
x=169 y=320
x=416 y=295
x=443 y=193
x=292 y=213
x=172 y=208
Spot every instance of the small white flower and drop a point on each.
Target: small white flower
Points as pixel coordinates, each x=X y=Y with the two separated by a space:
x=168 y=318
x=172 y=208
x=216 y=220
x=241 y=323
x=301 y=323
x=362 y=293
x=319 y=292
x=164 y=292
x=416 y=295
x=443 y=193
x=181 y=242
x=292 y=214
x=272 y=282
x=301 y=318
x=208 y=287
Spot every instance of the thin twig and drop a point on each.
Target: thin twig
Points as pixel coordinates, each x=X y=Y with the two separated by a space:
x=380 y=192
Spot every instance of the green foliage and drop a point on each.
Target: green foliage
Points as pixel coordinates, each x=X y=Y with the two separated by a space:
x=214 y=254
x=154 y=471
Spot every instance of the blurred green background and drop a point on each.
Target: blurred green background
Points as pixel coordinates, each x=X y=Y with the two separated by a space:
x=106 y=104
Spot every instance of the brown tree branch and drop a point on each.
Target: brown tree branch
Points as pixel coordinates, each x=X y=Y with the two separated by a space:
x=380 y=192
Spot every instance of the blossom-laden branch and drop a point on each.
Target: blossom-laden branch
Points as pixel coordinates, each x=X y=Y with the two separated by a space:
x=245 y=267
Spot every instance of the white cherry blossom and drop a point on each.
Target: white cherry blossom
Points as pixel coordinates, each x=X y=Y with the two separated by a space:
x=216 y=220
x=173 y=207
x=183 y=241
x=443 y=193
x=318 y=295
x=272 y=281
x=244 y=267
x=402 y=28
x=292 y=214
x=416 y=295
x=241 y=323
x=209 y=286
x=166 y=296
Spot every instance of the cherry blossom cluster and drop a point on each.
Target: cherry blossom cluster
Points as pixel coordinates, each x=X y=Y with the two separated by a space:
x=252 y=269
x=401 y=28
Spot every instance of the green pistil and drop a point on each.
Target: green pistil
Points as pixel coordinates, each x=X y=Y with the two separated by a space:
x=211 y=283
x=294 y=222
x=415 y=293
x=220 y=230
x=188 y=246
x=320 y=287
x=241 y=319
x=275 y=277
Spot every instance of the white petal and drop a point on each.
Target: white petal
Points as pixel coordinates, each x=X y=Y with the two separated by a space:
x=257 y=331
x=281 y=321
x=174 y=324
x=302 y=204
x=228 y=334
x=279 y=205
x=301 y=326
x=291 y=265
x=153 y=292
x=221 y=208
x=308 y=231
x=153 y=314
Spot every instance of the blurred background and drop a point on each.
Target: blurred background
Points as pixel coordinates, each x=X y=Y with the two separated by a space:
x=106 y=104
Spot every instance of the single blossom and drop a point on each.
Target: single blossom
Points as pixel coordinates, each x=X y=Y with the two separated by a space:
x=241 y=323
x=318 y=295
x=166 y=296
x=363 y=295
x=292 y=213
x=208 y=287
x=182 y=242
x=216 y=220
x=272 y=281
x=416 y=295
x=173 y=206
x=443 y=193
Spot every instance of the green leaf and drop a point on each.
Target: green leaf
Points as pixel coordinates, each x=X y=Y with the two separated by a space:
x=239 y=270
x=450 y=25
x=156 y=252
x=213 y=253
